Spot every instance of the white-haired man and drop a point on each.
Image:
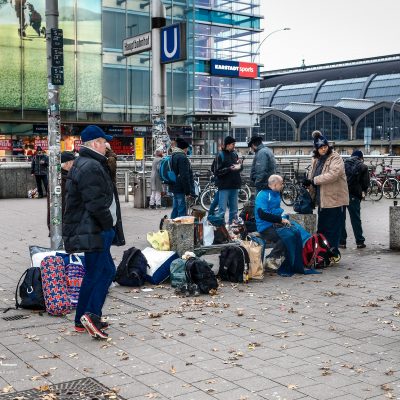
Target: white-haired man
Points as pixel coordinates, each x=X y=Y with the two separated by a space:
x=268 y=212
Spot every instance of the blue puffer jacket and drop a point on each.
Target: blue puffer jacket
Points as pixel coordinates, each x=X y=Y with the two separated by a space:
x=268 y=202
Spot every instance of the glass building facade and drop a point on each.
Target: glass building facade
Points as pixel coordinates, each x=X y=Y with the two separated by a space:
x=101 y=86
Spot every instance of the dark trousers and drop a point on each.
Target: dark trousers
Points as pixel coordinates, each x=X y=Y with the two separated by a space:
x=330 y=224
x=39 y=180
x=354 y=210
x=178 y=205
x=99 y=273
x=270 y=235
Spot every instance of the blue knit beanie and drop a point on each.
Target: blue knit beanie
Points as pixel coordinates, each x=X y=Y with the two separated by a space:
x=319 y=140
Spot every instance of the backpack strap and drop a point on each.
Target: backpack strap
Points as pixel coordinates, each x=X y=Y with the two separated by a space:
x=187 y=270
x=246 y=262
x=17 y=304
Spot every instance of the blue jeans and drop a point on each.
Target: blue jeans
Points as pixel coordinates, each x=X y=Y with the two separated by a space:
x=100 y=272
x=178 y=205
x=214 y=203
x=354 y=209
x=228 y=198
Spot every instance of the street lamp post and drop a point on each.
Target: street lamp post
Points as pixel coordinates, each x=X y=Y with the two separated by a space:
x=391 y=115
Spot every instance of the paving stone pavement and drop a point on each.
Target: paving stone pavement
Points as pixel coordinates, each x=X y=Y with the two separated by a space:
x=329 y=336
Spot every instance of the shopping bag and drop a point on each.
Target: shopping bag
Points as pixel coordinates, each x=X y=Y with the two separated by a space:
x=256 y=270
x=159 y=240
x=208 y=232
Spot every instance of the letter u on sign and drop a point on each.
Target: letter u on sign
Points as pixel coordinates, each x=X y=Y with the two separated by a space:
x=173 y=43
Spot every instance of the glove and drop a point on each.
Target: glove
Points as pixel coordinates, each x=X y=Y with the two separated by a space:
x=307 y=183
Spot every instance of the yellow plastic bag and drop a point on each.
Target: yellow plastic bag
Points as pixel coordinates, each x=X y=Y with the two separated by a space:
x=254 y=250
x=159 y=240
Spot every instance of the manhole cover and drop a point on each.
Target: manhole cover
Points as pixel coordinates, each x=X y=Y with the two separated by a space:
x=15 y=317
x=82 y=389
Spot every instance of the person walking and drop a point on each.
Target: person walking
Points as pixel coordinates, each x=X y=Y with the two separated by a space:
x=358 y=182
x=264 y=164
x=227 y=168
x=155 y=180
x=39 y=169
x=92 y=223
x=184 y=185
x=328 y=187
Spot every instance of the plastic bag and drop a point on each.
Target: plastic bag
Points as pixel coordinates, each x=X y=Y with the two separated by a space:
x=254 y=250
x=159 y=240
x=208 y=232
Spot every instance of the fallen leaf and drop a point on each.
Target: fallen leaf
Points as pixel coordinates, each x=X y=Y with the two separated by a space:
x=154 y=315
x=291 y=386
x=7 y=389
x=172 y=370
x=389 y=372
x=151 y=395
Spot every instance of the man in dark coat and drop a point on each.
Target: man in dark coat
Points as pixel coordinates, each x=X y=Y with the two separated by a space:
x=92 y=222
x=184 y=185
x=358 y=182
x=39 y=169
x=227 y=168
x=264 y=164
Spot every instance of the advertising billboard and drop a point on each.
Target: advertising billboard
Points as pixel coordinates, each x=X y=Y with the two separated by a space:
x=23 y=60
x=234 y=69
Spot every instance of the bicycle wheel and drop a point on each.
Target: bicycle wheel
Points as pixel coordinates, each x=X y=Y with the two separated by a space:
x=243 y=198
x=390 y=188
x=207 y=197
x=289 y=193
x=374 y=191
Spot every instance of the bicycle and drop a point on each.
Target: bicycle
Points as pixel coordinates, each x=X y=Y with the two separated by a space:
x=291 y=188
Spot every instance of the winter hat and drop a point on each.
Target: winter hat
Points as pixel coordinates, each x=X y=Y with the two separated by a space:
x=92 y=132
x=319 y=140
x=357 y=153
x=229 y=140
x=67 y=156
x=182 y=143
x=256 y=140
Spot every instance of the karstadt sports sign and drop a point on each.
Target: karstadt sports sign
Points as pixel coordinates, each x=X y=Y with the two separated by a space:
x=235 y=69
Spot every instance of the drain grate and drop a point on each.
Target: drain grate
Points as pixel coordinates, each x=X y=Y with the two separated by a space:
x=15 y=317
x=82 y=389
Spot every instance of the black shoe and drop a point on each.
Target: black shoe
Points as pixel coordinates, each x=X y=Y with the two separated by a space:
x=361 y=246
x=153 y=207
x=342 y=246
x=92 y=324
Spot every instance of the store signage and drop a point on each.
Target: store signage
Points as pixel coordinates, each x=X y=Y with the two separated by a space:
x=236 y=69
x=42 y=143
x=40 y=129
x=136 y=44
x=142 y=130
x=6 y=144
x=173 y=43
x=139 y=148
x=77 y=144
x=120 y=130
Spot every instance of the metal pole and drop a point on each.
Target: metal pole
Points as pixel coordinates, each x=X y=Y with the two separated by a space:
x=126 y=186
x=392 y=126
x=54 y=135
x=158 y=78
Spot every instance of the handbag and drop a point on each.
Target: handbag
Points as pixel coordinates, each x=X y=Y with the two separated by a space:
x=159 y=240
x=256 y=270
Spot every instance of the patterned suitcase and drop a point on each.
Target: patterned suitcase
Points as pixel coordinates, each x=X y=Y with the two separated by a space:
x=75 y=272
x=55 y=286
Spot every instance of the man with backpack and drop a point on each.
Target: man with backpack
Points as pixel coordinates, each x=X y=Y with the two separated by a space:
x=227 y=168
x=184 y=185
x=264 y=164
x=92 y=223
x=358 y=182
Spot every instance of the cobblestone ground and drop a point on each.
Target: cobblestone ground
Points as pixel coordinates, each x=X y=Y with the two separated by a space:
x=328 y=336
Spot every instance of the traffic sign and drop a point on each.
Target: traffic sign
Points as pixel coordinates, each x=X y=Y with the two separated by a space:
x=173 y=43
x=136 y=44
x=57 y=76
x=57 y=57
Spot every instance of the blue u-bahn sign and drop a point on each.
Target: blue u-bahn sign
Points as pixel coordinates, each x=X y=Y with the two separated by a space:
x=173 y=43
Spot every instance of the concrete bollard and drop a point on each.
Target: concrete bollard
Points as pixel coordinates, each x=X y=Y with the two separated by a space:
x=307 y=221
x=394 y=227
x=181 y=236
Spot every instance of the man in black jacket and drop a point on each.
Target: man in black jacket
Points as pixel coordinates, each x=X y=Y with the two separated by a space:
x=227 y=167
x=358 y=182
x=39 y=168
x=92 y=222
x=184 y=185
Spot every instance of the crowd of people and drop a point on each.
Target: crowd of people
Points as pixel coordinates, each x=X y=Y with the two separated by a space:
x=92 y=217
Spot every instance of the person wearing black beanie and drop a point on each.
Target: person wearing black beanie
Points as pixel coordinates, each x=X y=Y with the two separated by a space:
x=358 y=182
x=227 y=167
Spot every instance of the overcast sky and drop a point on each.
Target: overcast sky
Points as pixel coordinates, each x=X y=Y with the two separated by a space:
x=328 y=30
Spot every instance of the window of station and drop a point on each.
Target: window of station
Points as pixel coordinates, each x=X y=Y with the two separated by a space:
x=332 y=91
x=276 y=128
x=293 y=93
x=332 y=126
x=384 y=88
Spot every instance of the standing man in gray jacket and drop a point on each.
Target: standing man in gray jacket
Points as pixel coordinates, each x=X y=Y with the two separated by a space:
x=264 y=164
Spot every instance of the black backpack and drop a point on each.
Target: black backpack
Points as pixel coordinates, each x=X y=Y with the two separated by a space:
x=234 y=264
x=30 y=290
x=199 y=272
x=303 y=203
x=352 y=166
x=132 y=269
